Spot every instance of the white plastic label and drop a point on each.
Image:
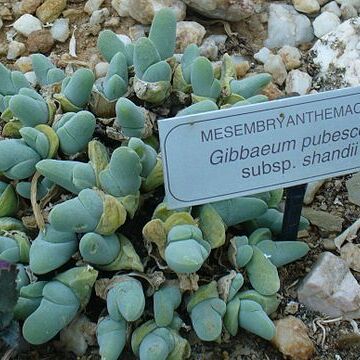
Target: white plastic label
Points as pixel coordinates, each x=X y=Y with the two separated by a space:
x=250 y=149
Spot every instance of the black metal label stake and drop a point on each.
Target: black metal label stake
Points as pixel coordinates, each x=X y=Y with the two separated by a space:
x=293 y=206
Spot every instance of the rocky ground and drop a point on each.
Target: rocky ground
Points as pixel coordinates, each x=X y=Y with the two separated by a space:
x=308 y=46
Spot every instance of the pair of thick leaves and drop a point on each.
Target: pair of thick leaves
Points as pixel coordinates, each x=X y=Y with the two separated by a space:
x=61 y=299
x=261 y=256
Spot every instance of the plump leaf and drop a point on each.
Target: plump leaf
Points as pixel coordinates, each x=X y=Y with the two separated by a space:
x=163 y=32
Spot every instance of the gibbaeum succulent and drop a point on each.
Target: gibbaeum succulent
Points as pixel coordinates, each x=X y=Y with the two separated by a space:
x=81 y=168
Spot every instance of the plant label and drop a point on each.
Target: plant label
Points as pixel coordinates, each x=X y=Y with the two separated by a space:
x=251 y=149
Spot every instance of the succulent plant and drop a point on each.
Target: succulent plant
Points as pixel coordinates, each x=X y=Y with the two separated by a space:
x=109 y=89
x=45 y=147
x=130 y=118
x=91 y=210
x=249 y=315
x=62 y=298
x=9 y=201
x=111 y=336
x=163 y=220
x=75 y=130
x=125 y=298
x=182 y=74
x=30 y=297
x=273 y=219
x=30 y=108
x=166 y=300
x=109 y=44
x=155 y=177
x=206 y=311
x=199 y=107
x=75 y=176
x=251 y=301
x=23 y=188
x=204 y=84
x=76 y=90
x=11 y=82
x=51 y=249
x=250 y=86
x=214 y=218
x=19 y=156
x=46 y=72
x=229 y=285
x=150 y=342
x=122 y=176
x=14 y=247
x=261 y=256
x=110 y=253
x=186 y=250
x=152 y=71
x=115 y=84
x=11 y=224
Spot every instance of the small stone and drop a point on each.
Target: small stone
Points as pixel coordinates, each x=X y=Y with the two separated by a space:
x=272 y=91
x=298 y=82
x=188 y=32
x=348 y=341
x=353 y=188
x=144 y=11
x=15 y=50
x=24 y=64
x=210 y=46
x=50 y=10
x=262 y=56
x=337 y=55
x=26 y=24
x=242 y=68
x=101 y=69
x=72 y=14
x=322 y=2
x=137 y=31
x=228 y=10
x=29 y=6
x=31 y=78
x=209 y=50
x=354 y=3
x=291 y=308
x=5 y=13
x=329 y=244
x=348 y=11
x=99 y=16
x=291 y=57
x=331 y=289
x=275 y=66
x=325 y=23
x=1 y=23
x=40 y=41
x=92 y=5
x=113 y=22
x=306 y=6
x=332 y=7
x=78 y=335
x=323 y=207
x=323 y=220
x=351 y=254
x=287 y=27
x=292 y=339
x=3 y=49
x=60 y=30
